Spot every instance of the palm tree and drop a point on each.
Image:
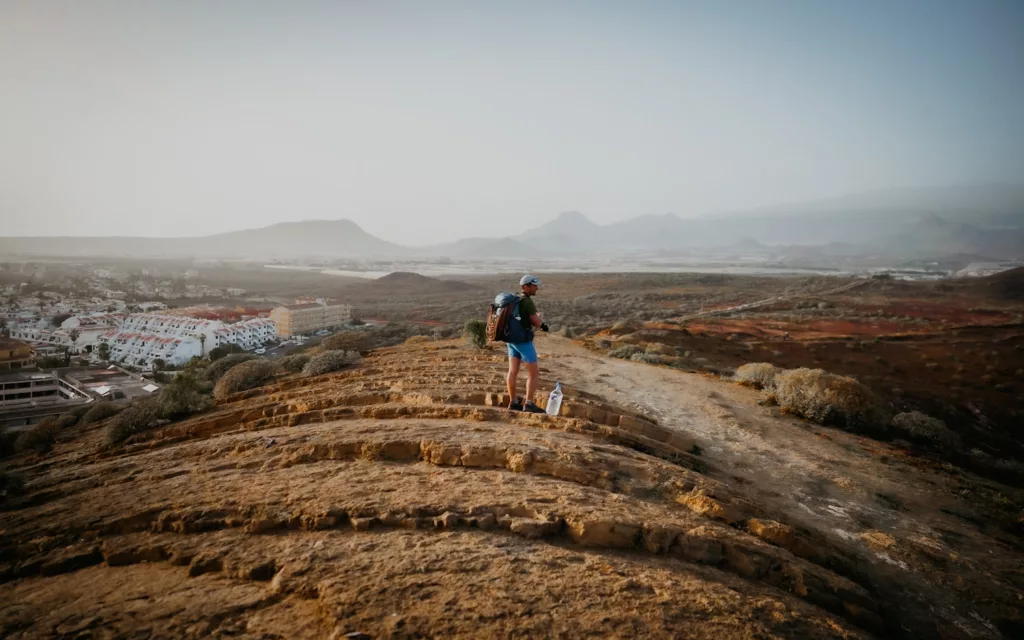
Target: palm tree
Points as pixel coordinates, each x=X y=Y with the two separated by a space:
x=74 y=334
x=202 y=345
x=104 y=351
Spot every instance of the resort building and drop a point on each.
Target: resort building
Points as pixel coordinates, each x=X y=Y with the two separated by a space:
x=16 y=355
x=303 y=319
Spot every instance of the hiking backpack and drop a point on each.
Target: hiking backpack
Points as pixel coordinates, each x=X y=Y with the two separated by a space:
x=504 y=321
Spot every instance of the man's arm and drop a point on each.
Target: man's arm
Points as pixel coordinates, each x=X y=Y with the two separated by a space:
x=535 y=320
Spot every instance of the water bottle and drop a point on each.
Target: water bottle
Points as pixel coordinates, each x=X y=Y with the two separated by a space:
x=555 y=400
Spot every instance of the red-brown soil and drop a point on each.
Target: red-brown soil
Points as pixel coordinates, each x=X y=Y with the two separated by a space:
x=950 y=350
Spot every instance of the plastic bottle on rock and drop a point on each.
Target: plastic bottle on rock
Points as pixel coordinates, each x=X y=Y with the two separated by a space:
x=555 y=400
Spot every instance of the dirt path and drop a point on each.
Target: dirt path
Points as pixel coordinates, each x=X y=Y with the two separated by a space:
x=912 y=522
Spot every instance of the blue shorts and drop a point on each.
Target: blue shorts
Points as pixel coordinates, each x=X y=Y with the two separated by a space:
x=524 y=351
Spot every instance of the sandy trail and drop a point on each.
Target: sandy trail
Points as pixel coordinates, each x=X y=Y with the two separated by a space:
x=905 y=518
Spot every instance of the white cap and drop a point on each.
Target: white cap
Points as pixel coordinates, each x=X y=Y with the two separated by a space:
x=528 y=279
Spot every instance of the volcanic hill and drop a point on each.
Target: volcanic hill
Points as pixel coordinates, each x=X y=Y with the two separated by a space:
x=398 y=499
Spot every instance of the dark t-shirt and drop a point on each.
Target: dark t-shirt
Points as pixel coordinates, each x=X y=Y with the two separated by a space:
x=527 y=307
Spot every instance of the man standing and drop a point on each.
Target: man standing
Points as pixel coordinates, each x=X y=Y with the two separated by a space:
x=520 y=352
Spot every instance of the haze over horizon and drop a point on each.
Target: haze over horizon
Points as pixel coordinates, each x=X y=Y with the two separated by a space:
x=425 y=124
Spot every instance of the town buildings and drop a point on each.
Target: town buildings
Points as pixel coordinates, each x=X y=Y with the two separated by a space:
x=78 y=334
x=140 y=338
x=145 y=337
x=301 y=319
x=15 y=354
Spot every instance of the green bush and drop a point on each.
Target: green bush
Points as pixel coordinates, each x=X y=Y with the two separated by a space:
x=476 y=333
x=39 y=438
x=224 y=350
x=134 y=419
x=243 y=376
x=100 y=411
x=830 y=400
x=329 y=361
x=760 y=375
x=294 y=363
x=217 y=369
x=184 y=395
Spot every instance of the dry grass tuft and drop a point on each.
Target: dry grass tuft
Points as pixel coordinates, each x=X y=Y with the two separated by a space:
x=759 y=375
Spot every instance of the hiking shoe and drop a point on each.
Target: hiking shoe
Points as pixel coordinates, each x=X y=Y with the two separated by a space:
x=516 y=405
x=529 y=407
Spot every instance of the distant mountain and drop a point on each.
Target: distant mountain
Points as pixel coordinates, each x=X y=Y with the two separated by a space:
x=980 y=220
x=1007 y=284
x=315 y=238
x=984 y=221
x=933 y=235
x=483 y=248
x=570 y=231
x=401 y=283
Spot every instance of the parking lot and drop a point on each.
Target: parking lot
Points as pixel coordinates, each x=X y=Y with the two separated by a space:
x=280 y=351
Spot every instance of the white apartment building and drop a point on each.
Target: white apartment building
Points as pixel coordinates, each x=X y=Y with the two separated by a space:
x=89 y=329
x=247 y=334
x=141 y=349
x=140 y=338
x=144 y=337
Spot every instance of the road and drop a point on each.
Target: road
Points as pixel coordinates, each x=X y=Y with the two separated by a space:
x=761 y=303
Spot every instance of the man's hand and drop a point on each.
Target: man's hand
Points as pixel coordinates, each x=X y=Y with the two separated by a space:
x=544 y=327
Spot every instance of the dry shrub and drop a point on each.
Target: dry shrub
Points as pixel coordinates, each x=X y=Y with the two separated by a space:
x=760 y=375
x=830 y=400
x=349 y=341
x=650 y=358
x=329 y=361
x=661 y=349
x=217 y=369
x=924 y=428
x=244 y=376
x=39 y=438
x=12 y=486
x=366 y=340
x=186 y=394
x=100 y=411
x=625 y=352
x=137 y=417
x=625 y=326
x=65 y=420
x=294 y=363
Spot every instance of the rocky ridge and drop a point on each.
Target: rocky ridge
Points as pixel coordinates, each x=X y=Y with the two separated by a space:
x=400 y=499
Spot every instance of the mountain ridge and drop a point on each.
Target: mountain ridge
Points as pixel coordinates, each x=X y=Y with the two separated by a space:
x=943 y=221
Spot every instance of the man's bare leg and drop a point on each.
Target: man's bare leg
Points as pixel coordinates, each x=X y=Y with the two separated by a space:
x=532 y=376
x=510 y=380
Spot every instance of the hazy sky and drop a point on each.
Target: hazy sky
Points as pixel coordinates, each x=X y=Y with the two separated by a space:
x=427 y=121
